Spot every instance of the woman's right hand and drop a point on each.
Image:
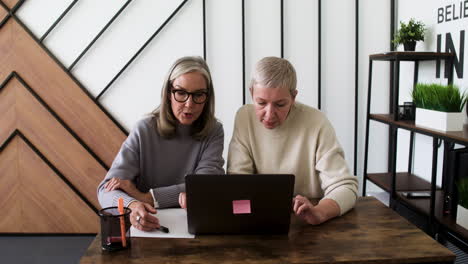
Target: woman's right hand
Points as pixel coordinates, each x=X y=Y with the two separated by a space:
x=142 y=212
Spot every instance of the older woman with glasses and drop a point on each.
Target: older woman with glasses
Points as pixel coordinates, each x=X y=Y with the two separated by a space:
x=182 y=136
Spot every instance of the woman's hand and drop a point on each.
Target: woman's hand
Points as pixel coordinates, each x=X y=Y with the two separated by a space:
x=314 y=215
x=304 y=209
x=130 y=188
x=326 y=209
x=141 y=218
x=183 y=200
x=117 y=183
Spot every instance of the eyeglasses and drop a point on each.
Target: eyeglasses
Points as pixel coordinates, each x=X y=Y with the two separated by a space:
x=182 y=96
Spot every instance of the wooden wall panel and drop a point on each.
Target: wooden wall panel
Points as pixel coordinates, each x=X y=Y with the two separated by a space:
x=56 y=142
x=53 y=140
x=39 y=201
x=11 y=3
x=3 y=13
x=10 y=187
x=60 y=92
x=8 y=114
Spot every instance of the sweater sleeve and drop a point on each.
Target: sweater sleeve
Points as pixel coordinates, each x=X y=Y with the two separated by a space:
x=126 y=167
x=211 y=159
x=337 y=182
x=210 y=162
x=240 y=160
x=168 y=196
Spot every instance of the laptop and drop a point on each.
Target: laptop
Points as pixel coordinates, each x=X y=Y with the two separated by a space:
x=239 y=203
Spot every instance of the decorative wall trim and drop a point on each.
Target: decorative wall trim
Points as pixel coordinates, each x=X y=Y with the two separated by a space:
x=17 y=133
x=282 y=27
x=98 y=35
x=46 y=110
x=319 y=57
x=11 y=14
x=23 y=110
x=204 y=30
x=356 y=85
x=22 y=199
x=54 y=114
x=58 y=20
x=243 y=52
x=141 y=49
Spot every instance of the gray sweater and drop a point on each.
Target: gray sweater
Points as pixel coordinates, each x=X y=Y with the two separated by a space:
x=155 y=163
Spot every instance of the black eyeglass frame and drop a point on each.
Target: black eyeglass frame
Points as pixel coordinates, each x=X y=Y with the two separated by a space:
x=190 y=94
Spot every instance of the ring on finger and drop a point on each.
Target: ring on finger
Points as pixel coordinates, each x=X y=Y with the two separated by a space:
x=138 y=219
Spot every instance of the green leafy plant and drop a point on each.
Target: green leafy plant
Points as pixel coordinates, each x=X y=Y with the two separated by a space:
x=462 y=187
x=411 y=32
x=444 y=98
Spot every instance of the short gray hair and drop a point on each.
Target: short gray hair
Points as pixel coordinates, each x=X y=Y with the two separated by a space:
x=166 y=122
x=274 y=72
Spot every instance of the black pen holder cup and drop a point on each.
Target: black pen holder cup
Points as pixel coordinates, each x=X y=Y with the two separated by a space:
x=113 y=224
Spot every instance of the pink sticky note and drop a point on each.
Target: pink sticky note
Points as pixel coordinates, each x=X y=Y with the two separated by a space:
x=241 y=207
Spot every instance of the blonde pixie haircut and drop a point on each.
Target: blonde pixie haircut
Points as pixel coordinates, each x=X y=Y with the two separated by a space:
x=274 y=72
x=166 y=122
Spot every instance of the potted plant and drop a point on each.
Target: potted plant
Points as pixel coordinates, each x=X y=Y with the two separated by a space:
x=409 y=34
x=462 y=208
x=439 y=106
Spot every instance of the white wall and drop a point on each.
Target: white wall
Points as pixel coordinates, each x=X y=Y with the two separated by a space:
x=338 y=45
x=137 y=91
x=374 y=37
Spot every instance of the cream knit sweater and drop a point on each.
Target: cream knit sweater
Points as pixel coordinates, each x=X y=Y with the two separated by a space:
x=304 y=145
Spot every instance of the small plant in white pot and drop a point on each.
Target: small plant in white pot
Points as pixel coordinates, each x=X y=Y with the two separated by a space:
x=462 y=208
x=439 y=106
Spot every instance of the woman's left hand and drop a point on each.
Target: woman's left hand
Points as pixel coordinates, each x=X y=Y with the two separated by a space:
x=117 y=183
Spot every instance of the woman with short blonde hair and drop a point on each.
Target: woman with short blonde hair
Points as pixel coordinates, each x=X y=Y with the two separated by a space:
x=274 y=72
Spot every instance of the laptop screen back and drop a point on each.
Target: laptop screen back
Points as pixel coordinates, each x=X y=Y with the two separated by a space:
x=239 y=204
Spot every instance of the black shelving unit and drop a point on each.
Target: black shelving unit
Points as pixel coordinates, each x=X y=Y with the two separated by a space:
x=438 y=222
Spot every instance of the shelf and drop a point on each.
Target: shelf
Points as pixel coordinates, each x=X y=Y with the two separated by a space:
x=451 y=224
x=411 y=56
x=404 y=181
x=459 y=137
x=423 y=207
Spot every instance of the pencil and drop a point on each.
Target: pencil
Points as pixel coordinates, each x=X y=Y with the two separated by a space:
x=122 y=222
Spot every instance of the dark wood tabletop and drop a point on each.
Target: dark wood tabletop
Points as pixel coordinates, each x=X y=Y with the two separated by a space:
x=370 y=233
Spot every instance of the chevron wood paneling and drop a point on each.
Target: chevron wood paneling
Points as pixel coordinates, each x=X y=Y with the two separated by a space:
x=22 y=54
x=10 y=3
x=28 y=115
x=56 y=141
x=3 y=14
x=10 y=203
x=28 y=208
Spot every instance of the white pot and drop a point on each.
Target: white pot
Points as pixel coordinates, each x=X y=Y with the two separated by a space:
x=462 y=216
x=440 y=120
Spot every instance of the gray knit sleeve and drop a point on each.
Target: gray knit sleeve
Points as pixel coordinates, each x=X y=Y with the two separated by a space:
x=211 y=159
x=168 y=196
x=125 y=166
x=210 y=162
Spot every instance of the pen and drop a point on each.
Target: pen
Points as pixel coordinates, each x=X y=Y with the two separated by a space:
x=163 y=229
x=122 y=222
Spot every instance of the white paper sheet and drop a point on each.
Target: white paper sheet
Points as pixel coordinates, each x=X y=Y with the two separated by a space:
x=175 y=219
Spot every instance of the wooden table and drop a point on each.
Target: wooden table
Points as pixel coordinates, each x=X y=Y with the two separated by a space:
x=371 y=233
